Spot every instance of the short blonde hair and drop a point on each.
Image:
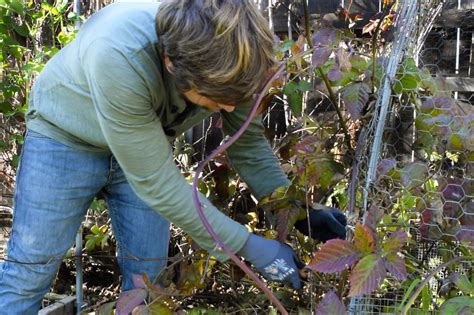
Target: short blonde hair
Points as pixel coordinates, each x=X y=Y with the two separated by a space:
x=223 y=49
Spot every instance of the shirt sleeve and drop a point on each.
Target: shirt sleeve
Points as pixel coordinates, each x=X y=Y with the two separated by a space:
x=136 y=138
x=251 y=155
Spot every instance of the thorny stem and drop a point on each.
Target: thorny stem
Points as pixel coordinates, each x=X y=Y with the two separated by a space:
x=420 y=287
x=332 y=96
x=220 y=149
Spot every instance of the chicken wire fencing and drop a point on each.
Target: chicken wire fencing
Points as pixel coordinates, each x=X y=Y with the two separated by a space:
x=410 y=162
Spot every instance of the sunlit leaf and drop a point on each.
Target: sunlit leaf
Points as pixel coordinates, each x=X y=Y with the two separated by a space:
x=461 y=305
x=355 y=98
x=363 y=239
x=128 y=300
x=159 y=309
x=367 y=276
x=334 y=256
x=331 y=304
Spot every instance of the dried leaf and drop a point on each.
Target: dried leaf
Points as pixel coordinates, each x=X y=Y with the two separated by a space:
x=343 y=59
x=128 y=300
x=355 y=96
x=367 y=275
x=334 y=256
x=331 y=304
x=395 y=264
x=363 y=238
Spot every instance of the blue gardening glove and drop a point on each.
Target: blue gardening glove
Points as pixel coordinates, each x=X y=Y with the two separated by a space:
x=276 y=261
x=326 y=223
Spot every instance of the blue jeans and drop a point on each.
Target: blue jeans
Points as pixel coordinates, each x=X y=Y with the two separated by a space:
x=55 y=186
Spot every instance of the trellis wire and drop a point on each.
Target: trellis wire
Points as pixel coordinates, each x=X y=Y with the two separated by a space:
x=405 y=29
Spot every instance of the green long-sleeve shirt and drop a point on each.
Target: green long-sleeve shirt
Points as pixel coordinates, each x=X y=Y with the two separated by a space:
x=108 y=91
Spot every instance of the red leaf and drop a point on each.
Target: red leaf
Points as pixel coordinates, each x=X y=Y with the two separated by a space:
x=331 y=304
x=320 y=56
x=466 y=234
x=385 y=166
x=138 y=281
x=413 y=175
x=324 y=37
x=367 y=275
x=335 y=73
x=334 y=256
x=128 y=300
x=373 y=217
x=395 y=264
x=355 y=96
x=364 y=239
x=395 y=242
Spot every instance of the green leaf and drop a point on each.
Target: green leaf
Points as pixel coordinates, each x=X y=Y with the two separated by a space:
x=304 y=86
x=106 y=309
x=407 y=83
x=359 y=63
x=426 y=298
x=462 y=283
x=367 y=276
x=461 y=305
x=408 y=292
x=3 y=146
x=290 y=88
x=295 y=101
